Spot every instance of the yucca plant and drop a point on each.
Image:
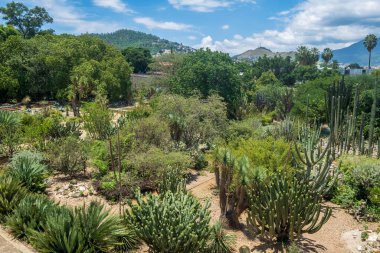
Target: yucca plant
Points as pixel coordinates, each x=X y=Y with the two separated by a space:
x=219 y=241
x=28 y=168
x=30 y=215
x=11 y=192
x=61 y=234
x=100 y=229
x=171 y=222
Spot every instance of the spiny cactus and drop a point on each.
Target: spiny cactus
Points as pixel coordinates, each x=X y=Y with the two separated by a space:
x=285 y=207
x=172 y=179
x=171 y=222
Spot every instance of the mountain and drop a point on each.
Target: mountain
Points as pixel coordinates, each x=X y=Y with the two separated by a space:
x=253 y=55
x=357 y=53
x=129 y=38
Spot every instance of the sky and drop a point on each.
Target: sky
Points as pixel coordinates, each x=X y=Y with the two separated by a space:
x=231 y=26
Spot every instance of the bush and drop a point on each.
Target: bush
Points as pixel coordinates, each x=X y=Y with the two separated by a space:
x=67 y=156
x=149 y=165
x=97 y=120
x=28 y=168
x=30 y=215
x=172 y=222
x=11 y=193
x=220 y=242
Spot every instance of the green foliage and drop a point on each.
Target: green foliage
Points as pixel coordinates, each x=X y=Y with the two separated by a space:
x=11 y=192
x=191 y=120
x=9 y=131
x=172 y=222
x=148 y=166
x=128 y=38
x=86 y=229
x=139 y=58
x=97 y=120
x=30 y=215
x=28 y=21
x=220 y=242
x=207 y=72
x=345 y=195
x=67 y=155
x=306 y=56
x=27 y=167
x=327 y=55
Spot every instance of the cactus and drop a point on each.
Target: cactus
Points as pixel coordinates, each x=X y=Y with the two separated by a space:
x=285 y=207
x=170 y=222
x=172 y=179
x=372 y=121
x=244 y=249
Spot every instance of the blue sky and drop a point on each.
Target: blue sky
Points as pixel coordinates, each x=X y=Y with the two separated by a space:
x=231 y=26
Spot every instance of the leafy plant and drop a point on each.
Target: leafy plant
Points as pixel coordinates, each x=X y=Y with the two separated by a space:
x=11 y=193
x=220 y=242
x=172 y=222
x=30 y=215
x=28 y=168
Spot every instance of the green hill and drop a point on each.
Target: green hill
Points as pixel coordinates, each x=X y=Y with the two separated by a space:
x=129 y=38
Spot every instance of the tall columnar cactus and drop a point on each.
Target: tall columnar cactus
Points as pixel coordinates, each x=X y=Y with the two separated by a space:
x=372 y=121
x=171 y=222
x=284 y=208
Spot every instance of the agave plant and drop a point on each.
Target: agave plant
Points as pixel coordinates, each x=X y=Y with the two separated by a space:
x=11 y=192
x=61 y=234
x=28 y=168
x=100 y=230
x=30 y=215
x=9 y=131
x=220 y=242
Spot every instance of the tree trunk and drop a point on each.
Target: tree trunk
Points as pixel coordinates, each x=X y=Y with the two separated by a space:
x=369 y=60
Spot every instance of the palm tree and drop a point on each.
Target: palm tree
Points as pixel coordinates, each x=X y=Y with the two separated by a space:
x=327 y=55
x=306 y=56
x=370 y=42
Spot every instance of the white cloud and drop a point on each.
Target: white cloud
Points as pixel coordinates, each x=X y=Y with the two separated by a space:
x=68 y=17
x=206 y=5
x=225 y=27
x=319 y=23
x=116 y=5
x=165 y=25
x=192 y=37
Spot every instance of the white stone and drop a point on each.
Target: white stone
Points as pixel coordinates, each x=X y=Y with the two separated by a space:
x=82 y=188
x=360 y=248
x=372 y=237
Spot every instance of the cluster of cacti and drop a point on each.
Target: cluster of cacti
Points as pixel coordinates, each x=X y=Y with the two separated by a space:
x=172 y=179
x=171 y=222
x=283 y=207
x=346 y=135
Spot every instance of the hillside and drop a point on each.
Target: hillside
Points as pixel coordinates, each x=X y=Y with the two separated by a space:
x=129 y=38
x=357 y=53
x=260 y=52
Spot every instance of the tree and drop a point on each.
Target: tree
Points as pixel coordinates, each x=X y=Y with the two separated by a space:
x=370 y=42
x=306 y=56
x=327 y=55
x=139 y=58
x=7 y=31
x=206 y=72
x=27 y=21
x=354 y=66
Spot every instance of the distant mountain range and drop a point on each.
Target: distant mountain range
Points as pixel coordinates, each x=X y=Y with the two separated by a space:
x=357 y=53
x=253 y=55
x=129 y=38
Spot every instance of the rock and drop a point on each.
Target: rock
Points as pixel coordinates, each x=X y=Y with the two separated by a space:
x=81 y=188
x=85 y=193
x=360 y=248
x=372 y=237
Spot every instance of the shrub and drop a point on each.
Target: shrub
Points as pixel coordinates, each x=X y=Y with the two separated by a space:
x=11 y=192
x=172 y=222
x=67 y=156
x=97 y=120
x=28 y=168
x=345 y=195
x=30 y=215
x=10 y=132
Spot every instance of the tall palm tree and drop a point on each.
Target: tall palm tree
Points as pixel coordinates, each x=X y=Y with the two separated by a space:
x=327 y=55
x=370 y=42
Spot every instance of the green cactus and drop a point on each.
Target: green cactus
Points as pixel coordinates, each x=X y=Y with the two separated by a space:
x=171 y=222
x=285 y=207
x=372 y=121
x=172 y=179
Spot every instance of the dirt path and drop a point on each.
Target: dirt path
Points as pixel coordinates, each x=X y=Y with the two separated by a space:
x=328 y=239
